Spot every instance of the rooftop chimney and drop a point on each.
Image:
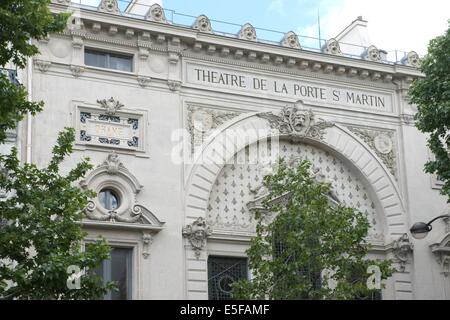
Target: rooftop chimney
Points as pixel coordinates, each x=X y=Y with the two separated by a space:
x=357 y=35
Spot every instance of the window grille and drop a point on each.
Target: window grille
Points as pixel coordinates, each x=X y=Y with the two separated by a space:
x=304 y=273
x=222 y=273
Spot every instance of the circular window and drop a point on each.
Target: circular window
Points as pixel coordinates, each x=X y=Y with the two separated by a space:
x=109 y=199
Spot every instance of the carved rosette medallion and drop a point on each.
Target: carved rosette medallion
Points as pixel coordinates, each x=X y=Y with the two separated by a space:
x=196 y=233
x=201 y=122
x=297 y=123
x=382 y=142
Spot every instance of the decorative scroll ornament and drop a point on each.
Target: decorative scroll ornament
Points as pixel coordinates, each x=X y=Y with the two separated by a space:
x=144 y=81
x=109 y=6
x=174 y=85
x=202 y=24
x=111 y=106
x=113 y=174
x=411 y=59
x=441 y=248
x=147 y=240
x=332 y=47
x=442 y=254
x=296 y=123
x=372 y=54
x=196 y=233
x=42 y=65
x=134 y=216
x=247 y=32
x=156 y=14
x=402 y=248
x=138 y=215
x=77 y=71
x=290 y=40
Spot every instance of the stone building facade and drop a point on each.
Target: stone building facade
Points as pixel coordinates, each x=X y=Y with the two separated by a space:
x=153 y=104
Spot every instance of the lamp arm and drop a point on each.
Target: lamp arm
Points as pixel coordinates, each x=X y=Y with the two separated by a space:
x=437 y=218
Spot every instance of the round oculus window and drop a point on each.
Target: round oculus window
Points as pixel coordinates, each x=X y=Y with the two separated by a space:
x=109 y=199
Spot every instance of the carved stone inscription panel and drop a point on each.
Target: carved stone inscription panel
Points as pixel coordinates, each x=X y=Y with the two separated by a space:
x=309 y=91
x=109 y=128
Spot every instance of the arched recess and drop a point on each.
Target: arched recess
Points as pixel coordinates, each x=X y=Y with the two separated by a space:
x=220 y=148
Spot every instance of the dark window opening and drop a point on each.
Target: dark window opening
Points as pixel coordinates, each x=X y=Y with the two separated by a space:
x=222 y=273
x=109 y=199
x=108 y=60
x=118 y=269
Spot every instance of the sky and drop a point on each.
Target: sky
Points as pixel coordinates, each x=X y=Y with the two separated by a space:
x=403 y=25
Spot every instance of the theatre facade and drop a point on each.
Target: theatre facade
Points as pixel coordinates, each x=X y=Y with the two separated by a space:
x=176 y=118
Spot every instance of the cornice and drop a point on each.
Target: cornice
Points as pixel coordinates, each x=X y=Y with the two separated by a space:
x=259 y=52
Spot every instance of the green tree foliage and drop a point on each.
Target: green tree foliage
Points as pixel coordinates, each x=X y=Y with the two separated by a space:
x=20 y=21
x=305 y=241
x=40 y=221
x=41 y=232
x=432 y=97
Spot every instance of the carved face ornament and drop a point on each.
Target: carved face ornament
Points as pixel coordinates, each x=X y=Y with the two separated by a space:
x=110 y=5
x=204 y=23
x=334 y=48
x=248 y=32
x=299 y=120
x=374 y=54
x=199 y=234
x=413 y=59
x=157 y=13
x=292 y=40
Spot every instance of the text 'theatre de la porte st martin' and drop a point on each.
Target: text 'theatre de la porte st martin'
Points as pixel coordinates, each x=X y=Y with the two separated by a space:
x=289 y=88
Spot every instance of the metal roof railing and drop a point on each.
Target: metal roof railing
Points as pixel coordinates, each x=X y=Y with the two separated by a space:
x=267 y=36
